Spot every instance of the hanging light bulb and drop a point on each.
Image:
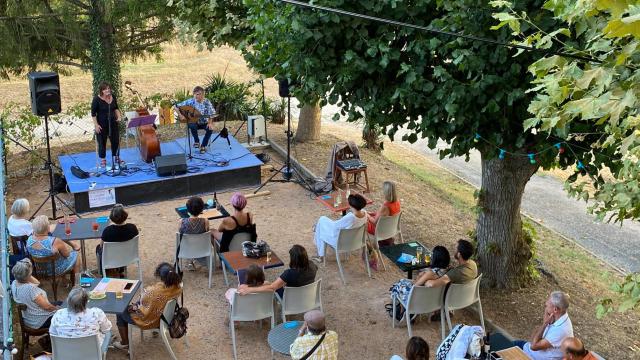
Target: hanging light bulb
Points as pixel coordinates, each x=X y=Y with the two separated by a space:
x=501 y=155
x=559 y=147
x=476 y=138
x=532 y=158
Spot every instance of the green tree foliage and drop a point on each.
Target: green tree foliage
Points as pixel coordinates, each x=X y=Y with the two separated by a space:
x=90 y=34
x=599 y=97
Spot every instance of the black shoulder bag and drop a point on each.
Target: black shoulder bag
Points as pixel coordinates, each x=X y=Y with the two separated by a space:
x=313 y=349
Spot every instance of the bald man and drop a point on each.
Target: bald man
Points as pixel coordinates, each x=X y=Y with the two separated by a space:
x=314 y=339
x=573 y=349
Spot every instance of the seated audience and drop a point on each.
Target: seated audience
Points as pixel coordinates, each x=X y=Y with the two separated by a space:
x=194 y=224
x=240 y=222
x=18 y=224
x=573 y=349
x=41 y=244
x=556 y=326
x=314 y=329
x=255 y=278
x=146 y=313
x=417 y=349
x=327 y=230
x=25 y=290
x=390 y=207
x=301 y=272
x=119 y=231
x=79 y=321
x=465 y=271
x=437 y=268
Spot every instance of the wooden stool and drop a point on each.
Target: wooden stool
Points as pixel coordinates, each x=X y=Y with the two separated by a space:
x=355 y=178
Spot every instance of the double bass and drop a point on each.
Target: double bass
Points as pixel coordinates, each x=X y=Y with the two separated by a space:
x=148 y=141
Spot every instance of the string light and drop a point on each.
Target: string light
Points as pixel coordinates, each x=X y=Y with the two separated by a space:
x=532 y=158
x=477 y=138
x=559 y=147
x=502 y=153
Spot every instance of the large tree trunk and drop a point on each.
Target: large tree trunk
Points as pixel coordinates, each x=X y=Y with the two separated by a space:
x=105 y=63
x=309 y=123
x=502 y=251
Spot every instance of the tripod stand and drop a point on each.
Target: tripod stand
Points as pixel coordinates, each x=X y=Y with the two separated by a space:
x=286 y=169
x=48 y=165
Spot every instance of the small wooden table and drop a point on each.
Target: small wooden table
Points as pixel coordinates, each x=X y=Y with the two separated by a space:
x=234 y=260
x=393 y=252
x=329 y=200
x=81 y=230
x=513 y=353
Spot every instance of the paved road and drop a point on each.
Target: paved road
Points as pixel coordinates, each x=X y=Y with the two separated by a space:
x=546 y=201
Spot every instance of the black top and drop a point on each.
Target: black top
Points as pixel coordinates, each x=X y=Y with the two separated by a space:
x=119 y=233
x=104 y=111
x=227 y=235
x=298 y=277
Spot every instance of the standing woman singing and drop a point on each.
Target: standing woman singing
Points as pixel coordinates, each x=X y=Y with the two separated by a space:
x=106 y=114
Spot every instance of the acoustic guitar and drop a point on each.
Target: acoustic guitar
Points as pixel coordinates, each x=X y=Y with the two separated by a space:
x=148 y=144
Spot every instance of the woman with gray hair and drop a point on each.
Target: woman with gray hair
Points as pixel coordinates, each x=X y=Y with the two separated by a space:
x=78 y=321
x=41 y=244
x=25 y=291
x=18 y=225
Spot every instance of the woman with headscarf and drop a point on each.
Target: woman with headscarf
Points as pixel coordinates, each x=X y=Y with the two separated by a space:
x=239 y=222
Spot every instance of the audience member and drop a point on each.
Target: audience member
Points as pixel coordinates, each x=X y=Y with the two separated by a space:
x=390 y=207
x=77 y=320
x=437 y=268
x=556 y=326
x=41 y=244
x=194 y=224
x=18 y=224
x=573 y=349
x=465 y=271
x=327 y=230
x=313 y=332
x=146 y=313
x=119 y=231
x=239 y=222
x=25 y=291
x=417 y=349
x=255 y=278
x=301 y=272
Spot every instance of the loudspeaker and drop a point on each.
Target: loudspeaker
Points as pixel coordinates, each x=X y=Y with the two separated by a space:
x=45 y=93
x=175 y=164
x=283 y=88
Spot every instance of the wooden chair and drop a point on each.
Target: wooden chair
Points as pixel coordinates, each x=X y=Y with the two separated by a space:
x=41 y=265
x=26 y=330
x=15 y=240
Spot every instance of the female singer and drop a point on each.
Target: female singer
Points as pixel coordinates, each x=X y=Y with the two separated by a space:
x=106 y=114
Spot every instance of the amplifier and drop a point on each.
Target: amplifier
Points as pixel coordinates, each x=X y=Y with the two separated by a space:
x=167 y=165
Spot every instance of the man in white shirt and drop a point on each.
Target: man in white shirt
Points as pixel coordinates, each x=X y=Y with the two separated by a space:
x=547 y=339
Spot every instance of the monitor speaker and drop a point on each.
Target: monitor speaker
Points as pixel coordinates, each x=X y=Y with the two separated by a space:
x=169 y=165
x=283 y=88
x=45 y=93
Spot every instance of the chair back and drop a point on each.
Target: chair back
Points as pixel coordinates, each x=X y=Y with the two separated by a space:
x=424 y=299
x=459 y=296
x=168 y=312
x=194 y=246
x=351 y=239
x=78 y=348
x=19 y=244
x=44 y=266
x=252 y=307
x=388 y=226
x=297 y=300
x=238 y=239
x=119 y=254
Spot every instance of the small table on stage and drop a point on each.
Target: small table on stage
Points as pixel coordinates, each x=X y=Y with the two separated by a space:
x=393 y=252
x=234 y=260
x=210 y=212
x=282 y=336
x=111 y=305
x=81 y=230
x=329 y=200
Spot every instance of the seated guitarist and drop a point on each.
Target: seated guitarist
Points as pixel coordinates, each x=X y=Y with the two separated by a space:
x=203 y=105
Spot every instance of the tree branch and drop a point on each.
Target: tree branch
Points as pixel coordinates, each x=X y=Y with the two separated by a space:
x=143 y=46
x=69 y=63
x=79 y=4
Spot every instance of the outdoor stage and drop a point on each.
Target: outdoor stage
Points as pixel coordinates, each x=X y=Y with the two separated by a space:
x=220 y=168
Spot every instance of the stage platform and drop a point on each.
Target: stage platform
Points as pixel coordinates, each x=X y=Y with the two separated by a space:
x=220 y=168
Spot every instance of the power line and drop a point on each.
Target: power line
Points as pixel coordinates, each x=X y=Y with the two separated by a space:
x=436 y=31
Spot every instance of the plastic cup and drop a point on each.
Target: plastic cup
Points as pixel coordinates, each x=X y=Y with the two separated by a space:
x=67 y=230
x=95 y=226
x=419 y=253
x=119 y=294
x=268 y=256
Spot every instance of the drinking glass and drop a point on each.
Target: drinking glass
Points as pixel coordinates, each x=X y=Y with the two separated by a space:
x=119 y=294
x=336 y=199
x=268 y=256
x=95 y=226
x=419 y=253
x=67 y=229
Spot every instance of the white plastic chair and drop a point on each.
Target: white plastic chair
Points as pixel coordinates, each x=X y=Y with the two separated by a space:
x=121 y=254
x=348 y=241
x=195 y=246
x=78 y=348
x=298 y=300
x=460 y=296
x=387 y=227
x=235 y=245
x=421 y=300
x=250 y=307
x=168 y=312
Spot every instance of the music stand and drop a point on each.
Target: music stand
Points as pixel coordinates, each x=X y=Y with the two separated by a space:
x=136 y=122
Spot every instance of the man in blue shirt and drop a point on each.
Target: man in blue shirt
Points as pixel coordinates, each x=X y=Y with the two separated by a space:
x=203 y=105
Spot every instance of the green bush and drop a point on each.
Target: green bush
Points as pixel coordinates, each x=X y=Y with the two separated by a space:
x=232 y=100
